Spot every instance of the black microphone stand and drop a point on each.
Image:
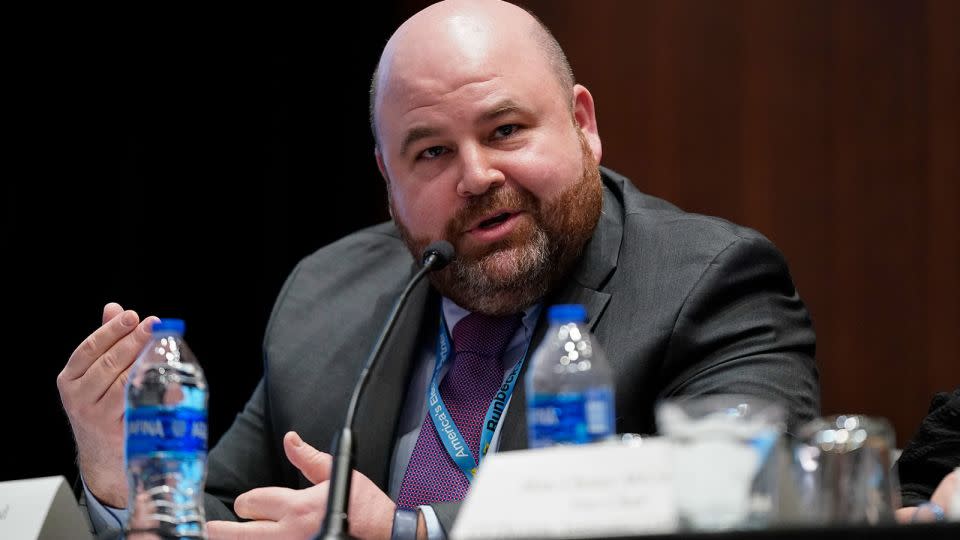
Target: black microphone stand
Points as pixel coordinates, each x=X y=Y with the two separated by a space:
x=336 y=525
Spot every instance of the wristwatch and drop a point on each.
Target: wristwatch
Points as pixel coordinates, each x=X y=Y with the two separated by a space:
x=405 y=524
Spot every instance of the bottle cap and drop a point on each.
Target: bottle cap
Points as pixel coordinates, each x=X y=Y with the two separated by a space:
x=174 y=326
x=563 y=313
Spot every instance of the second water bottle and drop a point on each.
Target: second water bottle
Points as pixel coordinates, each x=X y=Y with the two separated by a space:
x=569 y=384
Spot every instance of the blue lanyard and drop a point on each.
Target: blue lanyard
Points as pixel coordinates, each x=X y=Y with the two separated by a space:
x=442 y=421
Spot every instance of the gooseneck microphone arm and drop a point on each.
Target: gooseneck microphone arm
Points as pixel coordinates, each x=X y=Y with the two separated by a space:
x=336 y=525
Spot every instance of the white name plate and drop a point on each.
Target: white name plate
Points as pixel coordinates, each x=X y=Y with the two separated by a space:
x=597 y=490
x=42 y=509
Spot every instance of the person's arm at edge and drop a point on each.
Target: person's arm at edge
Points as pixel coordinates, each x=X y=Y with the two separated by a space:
x=935 y=508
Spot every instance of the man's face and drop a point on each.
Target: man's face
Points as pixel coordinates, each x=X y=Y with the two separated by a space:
x=492 y=161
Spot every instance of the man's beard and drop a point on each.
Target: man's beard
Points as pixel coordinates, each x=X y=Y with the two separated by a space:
x=507 y=276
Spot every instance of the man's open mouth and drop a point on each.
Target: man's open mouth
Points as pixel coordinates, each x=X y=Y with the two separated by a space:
x=494 y=221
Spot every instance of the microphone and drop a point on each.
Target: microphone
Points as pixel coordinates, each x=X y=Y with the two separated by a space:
x=336 y=525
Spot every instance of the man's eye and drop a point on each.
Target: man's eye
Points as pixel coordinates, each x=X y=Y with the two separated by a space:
x=432 y=152
x=506 y=131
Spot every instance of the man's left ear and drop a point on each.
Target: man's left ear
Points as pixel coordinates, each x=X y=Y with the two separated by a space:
x=380 y=164
x=585 y=116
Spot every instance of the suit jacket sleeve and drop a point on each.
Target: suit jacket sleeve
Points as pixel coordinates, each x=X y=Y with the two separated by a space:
x=743 y=329
x=247 y=456
x=242 y=460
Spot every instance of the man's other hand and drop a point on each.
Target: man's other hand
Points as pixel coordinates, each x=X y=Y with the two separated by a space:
x=298 y=513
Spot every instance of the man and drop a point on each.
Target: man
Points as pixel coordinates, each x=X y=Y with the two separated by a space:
x=483 y=140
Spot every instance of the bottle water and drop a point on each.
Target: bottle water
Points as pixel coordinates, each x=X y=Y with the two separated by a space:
x=166 y=438
x=569 y=384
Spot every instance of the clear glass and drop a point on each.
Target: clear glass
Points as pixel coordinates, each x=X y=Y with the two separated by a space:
x=844 y=470
x=727 y=458
x=166 y=435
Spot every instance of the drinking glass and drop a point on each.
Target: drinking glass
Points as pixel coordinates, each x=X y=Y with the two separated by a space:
x=845 y=470
x=726 y=461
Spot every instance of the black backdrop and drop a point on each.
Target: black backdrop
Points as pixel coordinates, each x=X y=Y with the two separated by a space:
x=181 y=169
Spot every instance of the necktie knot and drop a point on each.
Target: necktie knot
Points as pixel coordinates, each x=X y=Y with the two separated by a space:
x=484 y=335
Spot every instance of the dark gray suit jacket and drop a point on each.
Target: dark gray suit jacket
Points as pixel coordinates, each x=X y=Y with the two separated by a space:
x=682 y=304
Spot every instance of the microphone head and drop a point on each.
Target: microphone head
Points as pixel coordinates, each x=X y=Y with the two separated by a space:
x=438 y=254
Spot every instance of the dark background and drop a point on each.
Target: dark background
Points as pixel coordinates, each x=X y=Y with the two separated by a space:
x=180 y=168
x=181 y=163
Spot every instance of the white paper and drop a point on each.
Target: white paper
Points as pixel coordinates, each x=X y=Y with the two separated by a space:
x=40 y=508
x=598 y=490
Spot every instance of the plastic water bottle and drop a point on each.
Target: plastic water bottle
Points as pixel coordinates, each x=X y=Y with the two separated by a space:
x=166 y=438
x=569 y=384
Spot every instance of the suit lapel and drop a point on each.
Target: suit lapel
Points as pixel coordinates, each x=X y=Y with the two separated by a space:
x=583 y=287
x=382 y=401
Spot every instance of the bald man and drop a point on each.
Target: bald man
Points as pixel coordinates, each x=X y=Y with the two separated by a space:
x=485 y=140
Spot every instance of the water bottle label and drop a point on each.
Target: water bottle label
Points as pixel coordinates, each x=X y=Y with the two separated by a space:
x=570 y=418
x=165 y=429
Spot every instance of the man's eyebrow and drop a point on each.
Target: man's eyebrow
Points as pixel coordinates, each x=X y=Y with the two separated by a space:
x=415 y=135
x=502 y=108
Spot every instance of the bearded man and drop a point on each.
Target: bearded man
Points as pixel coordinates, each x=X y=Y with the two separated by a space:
x=484 y=140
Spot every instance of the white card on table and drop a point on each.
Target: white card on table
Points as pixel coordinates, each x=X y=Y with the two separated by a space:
x=596 y=490
x=42 y=509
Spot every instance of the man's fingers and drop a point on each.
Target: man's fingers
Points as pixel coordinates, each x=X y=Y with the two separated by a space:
x=270 y=503
x=104 y=374
x=99 y=342
x=314 y=464
x=110 y=311
x=114 y=401
x=231 y=530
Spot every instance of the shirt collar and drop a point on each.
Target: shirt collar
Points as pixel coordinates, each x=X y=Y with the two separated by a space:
x=453 y=313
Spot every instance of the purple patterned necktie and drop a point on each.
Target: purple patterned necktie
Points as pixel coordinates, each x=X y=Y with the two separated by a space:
x=467 y=390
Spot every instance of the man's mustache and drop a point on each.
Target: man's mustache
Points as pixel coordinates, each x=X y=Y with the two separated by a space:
x=501 y=197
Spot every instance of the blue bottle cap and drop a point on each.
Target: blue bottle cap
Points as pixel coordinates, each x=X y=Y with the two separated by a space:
x=564 y=313
x=175 y=326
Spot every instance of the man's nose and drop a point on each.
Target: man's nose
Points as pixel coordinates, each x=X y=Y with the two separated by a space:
x=479 y=172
